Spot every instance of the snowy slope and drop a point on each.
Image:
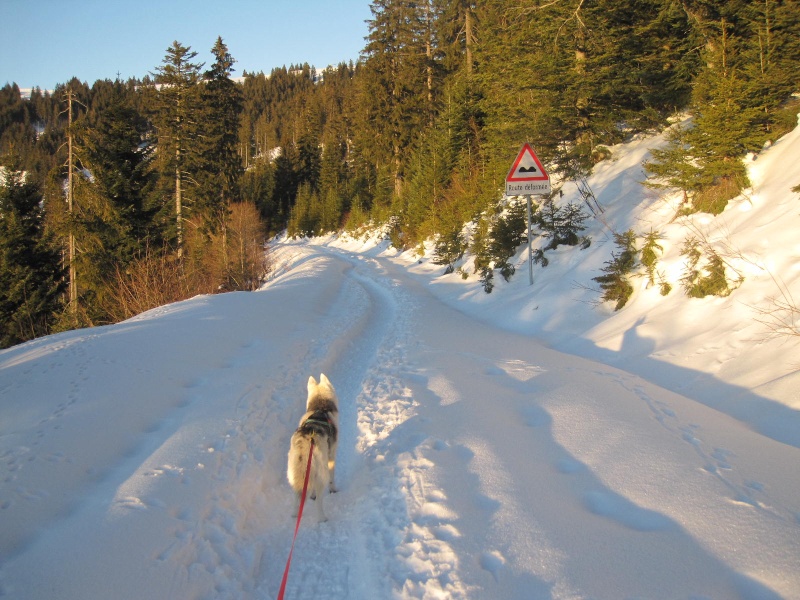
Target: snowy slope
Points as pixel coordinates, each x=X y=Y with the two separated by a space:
x=688 y=345
x=523 y=444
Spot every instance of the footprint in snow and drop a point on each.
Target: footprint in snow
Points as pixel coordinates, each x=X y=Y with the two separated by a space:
x=493 y=562
x=446 y=532
x=535 y=416
x=617 y=508
x=490 y=505
x=131 y=502
x=568 y=466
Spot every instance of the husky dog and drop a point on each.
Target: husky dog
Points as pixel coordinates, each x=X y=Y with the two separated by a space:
x=320 y=423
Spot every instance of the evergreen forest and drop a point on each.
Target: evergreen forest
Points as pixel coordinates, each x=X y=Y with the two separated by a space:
x=120 y=196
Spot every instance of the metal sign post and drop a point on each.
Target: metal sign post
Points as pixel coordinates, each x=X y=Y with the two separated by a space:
x=528 y=177
x=530 y=242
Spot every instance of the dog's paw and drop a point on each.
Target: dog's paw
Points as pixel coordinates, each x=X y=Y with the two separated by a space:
x=333 y=489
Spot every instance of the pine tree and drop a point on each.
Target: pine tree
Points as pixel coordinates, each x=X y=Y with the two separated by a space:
x=649 y=259
x=508 y=232
x=562 y=225
x=449 y=248
x=219 y=166
x=113 y=149
x=111 y=217
x=747 y=49
x=770 y=52
x=397 y=92
x=31 y=278
x=176 y=123
x=615 y=284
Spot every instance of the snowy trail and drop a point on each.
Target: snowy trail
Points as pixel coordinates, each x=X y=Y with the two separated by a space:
x=472 y=414
x=510 y=433
x=148 y=459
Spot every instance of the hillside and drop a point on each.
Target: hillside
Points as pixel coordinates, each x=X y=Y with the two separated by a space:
x=747 y=340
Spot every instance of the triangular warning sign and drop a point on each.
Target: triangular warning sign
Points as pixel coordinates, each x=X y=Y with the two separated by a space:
x=527 y=167
x=527 y=176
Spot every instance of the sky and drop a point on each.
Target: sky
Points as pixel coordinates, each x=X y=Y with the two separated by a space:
x=47 y=42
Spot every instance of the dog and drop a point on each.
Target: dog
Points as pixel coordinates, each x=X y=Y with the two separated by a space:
x=320 y=423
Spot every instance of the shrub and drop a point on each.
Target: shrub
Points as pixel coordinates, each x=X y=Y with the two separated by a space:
x=448 y=249
x=649 y=256
x=507 y=234
x=563 y=226
x=496 y=241
x=615 y=284
x=710 y=279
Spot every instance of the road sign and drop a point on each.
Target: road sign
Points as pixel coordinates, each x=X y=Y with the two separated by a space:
x=527 y=176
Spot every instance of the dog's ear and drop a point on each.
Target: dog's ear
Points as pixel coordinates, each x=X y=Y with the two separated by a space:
x=324 y=382
x=312 y=385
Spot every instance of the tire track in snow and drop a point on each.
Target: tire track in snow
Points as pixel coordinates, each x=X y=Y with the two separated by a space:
x=240 y=532
x=326 y=561
x=387 y=534
x=401 y=519
x=332 y=559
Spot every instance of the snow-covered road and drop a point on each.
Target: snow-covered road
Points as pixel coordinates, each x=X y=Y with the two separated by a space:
x=147 y=459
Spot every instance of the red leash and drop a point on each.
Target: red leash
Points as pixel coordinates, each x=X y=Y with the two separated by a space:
x=297 y=527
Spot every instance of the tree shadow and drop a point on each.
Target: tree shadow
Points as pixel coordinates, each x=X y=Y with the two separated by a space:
x=768 y=417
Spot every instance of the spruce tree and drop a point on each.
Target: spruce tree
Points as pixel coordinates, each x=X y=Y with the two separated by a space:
x=333 y=185
x=111 y=217
x=397 y=91
x=508 y=232
x=114 y=150
x=218 y=166
x=747 y=50
x=31 y=277
x=562 y=225
x=176 y=121
x=449 y=248
x=649 y=255
x=429 y=171
x=769 y=51
x=614 y=283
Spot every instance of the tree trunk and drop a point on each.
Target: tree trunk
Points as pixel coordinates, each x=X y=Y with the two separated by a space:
x=73 y=275
x=470 y=42
x=179 y=206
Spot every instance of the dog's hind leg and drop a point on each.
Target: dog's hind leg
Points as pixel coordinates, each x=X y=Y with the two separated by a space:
x=332 y=468
x=320 y=494
x=296 y=508
x=321 y=518
x=331 y=484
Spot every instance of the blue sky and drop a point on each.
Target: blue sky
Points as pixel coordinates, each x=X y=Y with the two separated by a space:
x=45 y=42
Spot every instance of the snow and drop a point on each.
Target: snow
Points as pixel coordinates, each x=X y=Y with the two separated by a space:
x=524 y=444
